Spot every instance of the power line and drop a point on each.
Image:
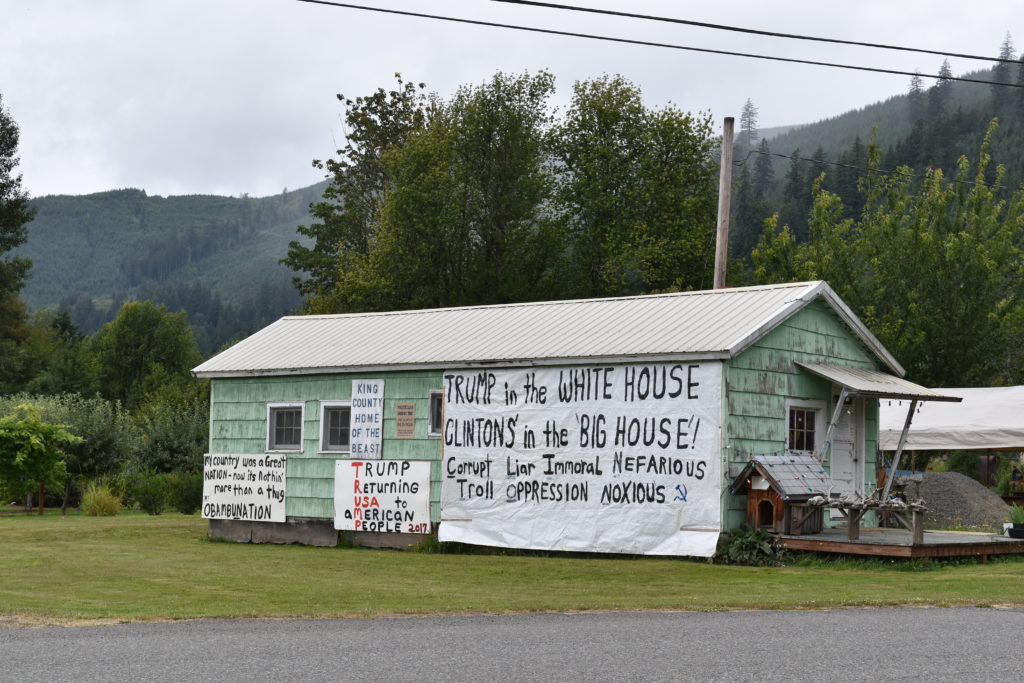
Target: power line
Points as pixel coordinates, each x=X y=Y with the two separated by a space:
x=645 y=43
x=754 y=31
x=882 y=171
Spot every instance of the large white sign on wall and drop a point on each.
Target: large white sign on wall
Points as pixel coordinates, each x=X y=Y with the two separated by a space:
x=391 y=496
x=244 y=487
x=622 y=458
x=367 y=418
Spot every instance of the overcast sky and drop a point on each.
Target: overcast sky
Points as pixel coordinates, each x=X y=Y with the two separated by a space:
x=238 y=96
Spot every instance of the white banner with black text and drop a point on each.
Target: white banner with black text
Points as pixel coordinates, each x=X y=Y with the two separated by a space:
x=619 y=459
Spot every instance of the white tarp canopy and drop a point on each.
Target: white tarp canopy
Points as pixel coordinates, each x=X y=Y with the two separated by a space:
x=989 y=418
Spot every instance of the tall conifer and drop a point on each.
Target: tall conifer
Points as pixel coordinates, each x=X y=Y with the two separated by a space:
x=1002 y=73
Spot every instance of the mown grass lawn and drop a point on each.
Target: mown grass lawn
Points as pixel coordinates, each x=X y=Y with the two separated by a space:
x=137 y=567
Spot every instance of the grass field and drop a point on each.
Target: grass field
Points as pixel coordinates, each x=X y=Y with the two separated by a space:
x=79 y=569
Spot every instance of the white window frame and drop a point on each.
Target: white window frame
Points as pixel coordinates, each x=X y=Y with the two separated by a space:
x=324 y=407
x=431 y=431
x=271 y=407
x=820 y=409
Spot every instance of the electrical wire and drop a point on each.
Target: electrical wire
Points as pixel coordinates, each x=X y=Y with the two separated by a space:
x=645 y=43
x=754 y=31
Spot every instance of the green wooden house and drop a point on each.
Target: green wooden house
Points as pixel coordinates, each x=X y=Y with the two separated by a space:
x=611 y=425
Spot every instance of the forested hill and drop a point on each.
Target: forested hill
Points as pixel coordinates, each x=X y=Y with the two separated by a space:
x=931 y=126
x=888 y=121
x=216 y=257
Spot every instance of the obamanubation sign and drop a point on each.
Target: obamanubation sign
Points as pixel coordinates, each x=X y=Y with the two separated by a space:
x=244 y=487
x=621 y=458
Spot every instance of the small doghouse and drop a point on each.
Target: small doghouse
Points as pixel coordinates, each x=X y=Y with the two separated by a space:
x=778 y=488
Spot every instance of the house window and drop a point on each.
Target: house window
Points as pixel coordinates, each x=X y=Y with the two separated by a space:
x=801 y=429
x=805 y=426
x=335 y=427
x=436 y=403
x=284 y=427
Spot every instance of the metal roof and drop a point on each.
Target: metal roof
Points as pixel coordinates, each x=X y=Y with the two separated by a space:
x=874 y=383
x=792 y=476
x=694 y=325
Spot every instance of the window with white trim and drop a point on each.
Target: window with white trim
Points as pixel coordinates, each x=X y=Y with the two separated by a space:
x=335 y=426
x=284 y=426
x=805 y=425
x=436 y=411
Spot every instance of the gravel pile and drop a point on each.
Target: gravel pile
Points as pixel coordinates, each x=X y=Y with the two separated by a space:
x=956 y=500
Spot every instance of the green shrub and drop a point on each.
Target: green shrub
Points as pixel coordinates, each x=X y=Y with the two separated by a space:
x=967 y=463
x=174 y=427
x=186 y=491
x=119 y=482
x=1009 y=468
x=751 y=547
x=98 y=500
x=106 y=427
x=150 y=490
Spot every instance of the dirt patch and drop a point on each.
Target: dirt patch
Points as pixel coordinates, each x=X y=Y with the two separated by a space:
x=957 y=501
x=28 y=620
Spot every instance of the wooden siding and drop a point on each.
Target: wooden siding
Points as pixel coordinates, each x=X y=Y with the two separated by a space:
x=238 y=424
x=759 y=380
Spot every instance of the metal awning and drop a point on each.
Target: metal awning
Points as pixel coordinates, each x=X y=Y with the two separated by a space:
x=874 y=383
x=860 y=382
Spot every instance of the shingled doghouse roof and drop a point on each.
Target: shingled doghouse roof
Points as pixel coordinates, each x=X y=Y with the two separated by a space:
x=794 y=477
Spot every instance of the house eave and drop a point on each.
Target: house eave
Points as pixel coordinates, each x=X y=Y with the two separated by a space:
x=495 y=363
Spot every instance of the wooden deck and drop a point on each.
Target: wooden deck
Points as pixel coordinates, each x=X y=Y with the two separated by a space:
x=897 y=543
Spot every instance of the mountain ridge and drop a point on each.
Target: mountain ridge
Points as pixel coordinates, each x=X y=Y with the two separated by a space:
x=111 y=243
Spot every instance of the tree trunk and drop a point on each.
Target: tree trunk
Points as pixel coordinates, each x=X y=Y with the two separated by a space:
x=28 y=502
x=67 y=494
x=42 y=497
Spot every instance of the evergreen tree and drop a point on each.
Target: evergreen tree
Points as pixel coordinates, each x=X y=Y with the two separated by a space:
x=1020 y=88
x=1002 y=73
x=913 y=150
x=15 y=214
x=938 y=94
x=749 y=132
x=818 y=167
x=750 y=206
x=916 y=105
x=764 y=170
x=747 y=214
x=847 y=176
x=795 y=197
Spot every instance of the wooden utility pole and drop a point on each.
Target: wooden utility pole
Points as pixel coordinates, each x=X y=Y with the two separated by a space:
x=724 y=190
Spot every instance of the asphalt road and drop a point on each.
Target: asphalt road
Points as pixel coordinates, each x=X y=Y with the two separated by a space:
x=847 y=645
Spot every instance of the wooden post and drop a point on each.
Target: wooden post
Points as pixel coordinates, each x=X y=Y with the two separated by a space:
x=724 y=190
x=843 y=394
x=899 y=451
x=917 y=533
